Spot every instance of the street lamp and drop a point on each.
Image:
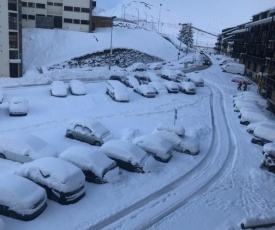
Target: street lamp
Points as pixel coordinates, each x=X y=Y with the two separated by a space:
x=159 y=15
x=152 y=22
x=123 y=6
x=111 y=43
x=138 y=15
x=145 y=20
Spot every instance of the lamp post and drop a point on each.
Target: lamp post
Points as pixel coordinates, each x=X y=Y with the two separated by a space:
x=159 y=15
x=123 y=6
x=111 y=43
x=152 y=22
x=145 y=19
x=138 y=15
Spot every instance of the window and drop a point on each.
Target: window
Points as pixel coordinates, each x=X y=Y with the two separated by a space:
x=40 y=6
x=50 y=3
x=31 y=17
x=76 y=21
x=24 y=4
x=68 y=8
x=77 y=9
x=31 y=4
x=14 y=70
x=41 y=15
x=58 y=4
x=13 y=40
x=12 y=5
x=85 y=22
x=14 y=54
x=85 y=10
x=12 y=21
x=24 y=16
x=68 y=20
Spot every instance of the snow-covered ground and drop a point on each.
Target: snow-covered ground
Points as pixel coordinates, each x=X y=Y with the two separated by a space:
x=216 y=189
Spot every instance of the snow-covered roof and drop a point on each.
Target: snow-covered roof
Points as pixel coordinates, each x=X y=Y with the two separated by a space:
x=238 y=31
x=266 y=132
x=265 y=20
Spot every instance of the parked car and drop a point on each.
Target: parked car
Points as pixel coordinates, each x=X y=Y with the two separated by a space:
x=153 y=77
x=206 y=62
x=241 y=104
x=139 y=66
x=172 y=87
x=155 y=146
x=263 y=134
x=96 y=167
x=117 y=91
x=91 y=132
x=59 y=89
x=198 y=81
x=130 y=81
x=188 y=145
x=24 y=147
x=177 y=128
x=18 y=106
x=187 y=87
x=20 y=198
x=252 y=126
x=181 y=77
x=63 y=181
x=269 y=157
x=1 y=95
x=234 y=68
x=154 y=66
x=159 y=87
x=128 y=156
x=248 y=117
x=254 y=99
x=76 y=87
x=169 y=75
x=145 y=91
x=117 y=77
x=142 y=79
x=243 y=80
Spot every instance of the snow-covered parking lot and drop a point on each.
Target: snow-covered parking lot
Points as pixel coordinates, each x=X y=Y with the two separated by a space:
x=221 y=185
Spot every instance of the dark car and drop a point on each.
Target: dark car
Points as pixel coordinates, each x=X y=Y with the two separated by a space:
x=207 y=62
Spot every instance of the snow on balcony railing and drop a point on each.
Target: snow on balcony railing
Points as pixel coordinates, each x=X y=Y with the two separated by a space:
x=266 y=20
x=238 y=31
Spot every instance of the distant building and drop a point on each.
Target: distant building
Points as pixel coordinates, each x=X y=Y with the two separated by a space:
x=18 y=14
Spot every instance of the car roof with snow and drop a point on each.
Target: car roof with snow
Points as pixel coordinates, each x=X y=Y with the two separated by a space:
x=95 y=126
x=177 y=129
x=117 y=84
x=269 y=148
x=146 y=88
x=77 y=87
x=265 y=131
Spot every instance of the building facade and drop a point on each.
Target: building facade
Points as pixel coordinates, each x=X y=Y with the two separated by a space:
x=10 y=38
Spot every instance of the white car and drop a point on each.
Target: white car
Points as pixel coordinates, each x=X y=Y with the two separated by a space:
x=181 y=77
x=142 y=79
x=63 y=181
x=139 y=66
x=187 y=87
x=171 y=86
x=199 y=82
x=24 y=147
x=59 y=89
x=77 y=88
x=169 y=74
x=188 y=145
x=146 y=91
x=159 y=87
x=117 y=91
x=130 y=81
x=155 y=146
x=269 y=148
x=91 y=132
x=18 y=106
x=128 y=156
x=20 y=198
x=96 y=167
x=177 y=129
x=252 y=98
x=252 y=126
x=239 y=105
x=248 y=117
x=153 y=77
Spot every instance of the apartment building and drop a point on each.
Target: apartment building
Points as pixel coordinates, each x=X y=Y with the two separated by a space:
x=10 y=38
x=49 y=14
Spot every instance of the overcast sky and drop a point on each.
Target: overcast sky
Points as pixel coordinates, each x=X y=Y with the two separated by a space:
x=212 y=15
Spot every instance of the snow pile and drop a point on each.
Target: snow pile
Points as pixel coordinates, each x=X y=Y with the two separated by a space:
x=260 y=221
x=2 y=225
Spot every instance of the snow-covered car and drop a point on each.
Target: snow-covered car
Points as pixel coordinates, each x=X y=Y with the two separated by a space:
x=117 y=91
x=244 y=93
x=24 y=147
x=130 y=81
x=181 y=77
x=96 y=167
x=21 y=198
x=239 y=79
x=117 y=77
x=155 y=146
x=177 y=129
x=169 y=74
x=128 y=156
x=91 y=132
x=239 y=105
x=252 y=126
x=159 y=87
x=153 y=77
x=145 y=91
x=249 y=116
x=138 y=66
x=1 y=95
x=142 y=79
x=269 y=157
x=171 y=86
x=263 y=134
x=63 y=181
x=187 y=87
x=199 y=82
x=77 y=87
x=18 y=106
x=154 y=66
x=252 y=98
x=59 y=89
x=187 y=145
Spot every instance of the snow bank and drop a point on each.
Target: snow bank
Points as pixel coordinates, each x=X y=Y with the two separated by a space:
x=2 y=225
x=260 y=221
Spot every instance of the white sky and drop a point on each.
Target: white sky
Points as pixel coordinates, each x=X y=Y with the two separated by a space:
x=213 y=15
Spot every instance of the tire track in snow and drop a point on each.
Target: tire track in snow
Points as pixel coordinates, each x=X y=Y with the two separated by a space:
x=151 y=209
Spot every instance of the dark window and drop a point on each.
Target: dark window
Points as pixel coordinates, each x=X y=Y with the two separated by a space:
x=76 y=21
x=13 y=40
x=12 y=21
x=49 y=16
x=31 y=17
x=40 y=6
x=31 y=4
x=58 y=4
x=57 y=22
x=12 y=5
x=24 y=4
x=77 y=9
x=68 y=20
x=13 y=54
x=14 y=70
x=85 y=10
x=50 y=3
x=68 y=8
x=41 y=15
x=24 y=16
x=255 y=67
x=85 y=22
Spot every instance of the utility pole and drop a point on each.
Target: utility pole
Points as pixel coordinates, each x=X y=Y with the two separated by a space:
x=111 y=43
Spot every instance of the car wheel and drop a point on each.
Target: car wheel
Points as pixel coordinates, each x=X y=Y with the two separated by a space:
x=2 y=156
x=97 y=143
x=259 y=143
x=271 y=169
x=138 y=170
